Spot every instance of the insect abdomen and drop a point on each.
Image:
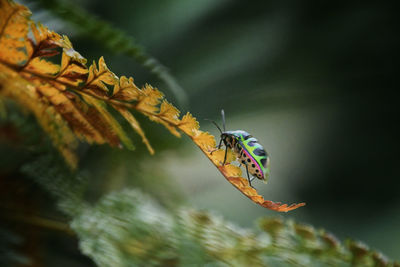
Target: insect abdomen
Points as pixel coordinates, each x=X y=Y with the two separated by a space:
x=258 y=165
x=253 y=166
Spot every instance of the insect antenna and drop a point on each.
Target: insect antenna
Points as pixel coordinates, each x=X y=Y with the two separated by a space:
x=215 y=124
x=223 y=118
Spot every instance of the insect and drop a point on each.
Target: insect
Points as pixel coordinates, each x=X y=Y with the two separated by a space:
x=247 y=150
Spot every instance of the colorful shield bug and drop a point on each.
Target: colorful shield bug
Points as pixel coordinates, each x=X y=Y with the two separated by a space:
x=247 y=150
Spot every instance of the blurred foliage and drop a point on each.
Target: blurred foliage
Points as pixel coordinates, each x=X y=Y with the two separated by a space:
x=8 y=255
x=285 y=57
x=128 y=227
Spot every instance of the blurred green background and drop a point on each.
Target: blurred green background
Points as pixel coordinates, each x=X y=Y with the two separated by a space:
x=312 y=80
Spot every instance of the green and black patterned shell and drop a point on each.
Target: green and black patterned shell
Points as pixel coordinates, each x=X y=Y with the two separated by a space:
x=249 y=152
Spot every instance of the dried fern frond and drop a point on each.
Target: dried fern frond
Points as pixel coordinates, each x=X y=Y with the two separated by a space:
x=115 y=40
x=71 y=101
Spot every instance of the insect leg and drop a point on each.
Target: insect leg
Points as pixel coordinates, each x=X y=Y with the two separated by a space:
x=248 y=176
x=226 y=152
x=218 y=147
x=220 y=144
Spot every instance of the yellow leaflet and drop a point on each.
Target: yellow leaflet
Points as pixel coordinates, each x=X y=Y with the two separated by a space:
x=69 y=50
x=168 y=112
x=15 y=48
x=204 y=140
x=76 y=117
x=149 y=100
x=135 y=125
x=68 y=67
x=189 y=125
x=126 y=90
x=154 y=94
x=232 y=170
x=72 y=72
x=61 y=135
x=99 y=123
x=218 y=156
x=113 y=123
x=99 y=78
x=41 y=33
x=42 y=66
